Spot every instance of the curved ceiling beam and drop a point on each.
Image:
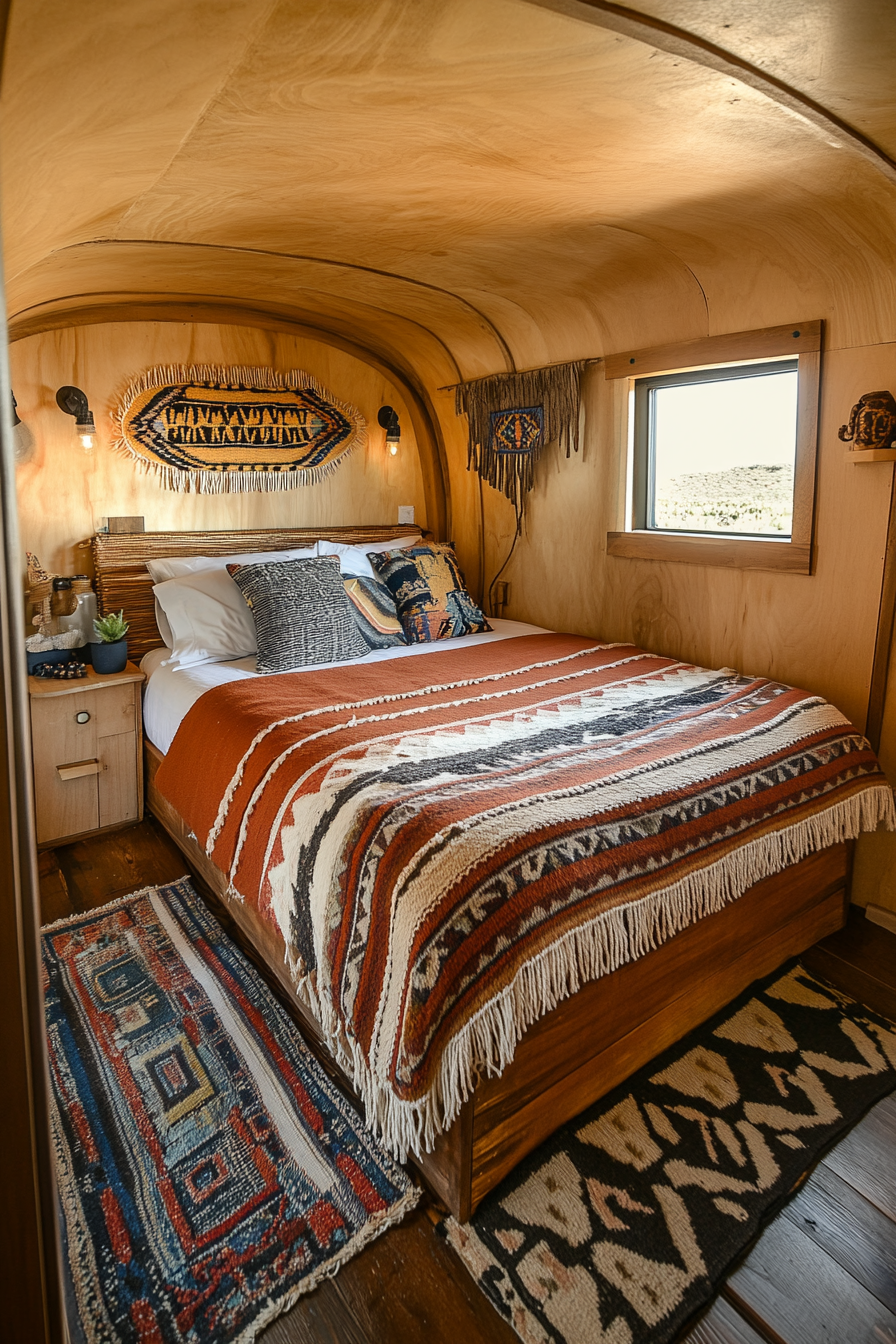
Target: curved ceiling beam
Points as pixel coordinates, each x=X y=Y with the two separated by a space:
x=679 y=42
x=128 y=305
x=487 y=323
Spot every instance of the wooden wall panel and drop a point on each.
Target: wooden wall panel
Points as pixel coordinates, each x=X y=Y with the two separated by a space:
x=64 y=493
x=814 y=630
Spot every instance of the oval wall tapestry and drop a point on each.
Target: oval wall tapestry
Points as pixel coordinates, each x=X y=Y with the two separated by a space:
x=210 y=429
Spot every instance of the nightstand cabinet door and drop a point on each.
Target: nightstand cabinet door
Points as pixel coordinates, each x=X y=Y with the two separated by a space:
x=85 y=772
x=118 y=781
x=66 y=803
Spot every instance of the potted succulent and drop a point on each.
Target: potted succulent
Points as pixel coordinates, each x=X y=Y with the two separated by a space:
x=111 y=654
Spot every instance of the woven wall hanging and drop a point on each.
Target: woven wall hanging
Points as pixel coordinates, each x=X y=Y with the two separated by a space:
x=210 y=429
x=513 y=417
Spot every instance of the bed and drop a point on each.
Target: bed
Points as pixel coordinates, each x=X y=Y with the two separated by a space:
x=597 y=1019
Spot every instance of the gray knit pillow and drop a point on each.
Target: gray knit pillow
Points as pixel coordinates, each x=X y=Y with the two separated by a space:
x=301 y=611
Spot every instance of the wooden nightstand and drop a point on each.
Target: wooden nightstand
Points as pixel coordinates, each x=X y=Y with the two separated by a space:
x=86 y=745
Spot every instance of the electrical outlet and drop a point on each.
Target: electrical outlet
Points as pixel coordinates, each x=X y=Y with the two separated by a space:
x=405 y=513
x=502 y=594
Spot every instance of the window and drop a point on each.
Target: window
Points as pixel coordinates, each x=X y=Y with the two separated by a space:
x=723 y=450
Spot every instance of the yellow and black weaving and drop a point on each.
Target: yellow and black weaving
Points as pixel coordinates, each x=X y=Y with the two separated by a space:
x=212 y=430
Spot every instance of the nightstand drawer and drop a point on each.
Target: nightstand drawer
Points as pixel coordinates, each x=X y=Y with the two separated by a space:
x=86 y=749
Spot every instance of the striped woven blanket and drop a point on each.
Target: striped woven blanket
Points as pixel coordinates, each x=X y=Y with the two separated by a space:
x=450 y=845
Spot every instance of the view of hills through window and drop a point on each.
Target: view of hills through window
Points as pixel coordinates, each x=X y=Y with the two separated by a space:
x=724 y=455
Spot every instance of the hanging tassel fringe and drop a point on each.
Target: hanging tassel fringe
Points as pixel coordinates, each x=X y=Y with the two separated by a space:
x=556 y=388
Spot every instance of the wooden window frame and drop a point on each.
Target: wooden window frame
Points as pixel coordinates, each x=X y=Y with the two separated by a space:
x=800 y=339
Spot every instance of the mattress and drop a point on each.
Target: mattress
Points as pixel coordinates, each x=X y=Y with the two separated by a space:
x=171 y=693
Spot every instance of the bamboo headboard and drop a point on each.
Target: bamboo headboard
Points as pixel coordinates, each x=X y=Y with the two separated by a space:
x=123 y=581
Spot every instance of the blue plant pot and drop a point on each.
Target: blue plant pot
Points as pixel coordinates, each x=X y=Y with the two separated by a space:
x=107 y=658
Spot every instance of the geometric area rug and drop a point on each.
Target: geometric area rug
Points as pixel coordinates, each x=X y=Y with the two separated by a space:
x=623 y=1225
x=208 y=1170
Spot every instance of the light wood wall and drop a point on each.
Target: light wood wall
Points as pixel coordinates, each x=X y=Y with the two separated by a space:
x=815 y=631
x=64 y=493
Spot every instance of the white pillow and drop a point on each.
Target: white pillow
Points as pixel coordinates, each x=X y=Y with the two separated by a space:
x=173 y=567
x=353 y=559
x=208 y=618
x=164 y=627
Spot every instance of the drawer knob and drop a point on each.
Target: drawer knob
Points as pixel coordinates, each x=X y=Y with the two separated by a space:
x=82 y=716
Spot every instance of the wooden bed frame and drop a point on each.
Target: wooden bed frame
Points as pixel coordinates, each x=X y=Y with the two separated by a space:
x=596 y=1038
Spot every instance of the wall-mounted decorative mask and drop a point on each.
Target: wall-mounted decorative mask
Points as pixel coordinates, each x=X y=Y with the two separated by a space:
x=872 y=421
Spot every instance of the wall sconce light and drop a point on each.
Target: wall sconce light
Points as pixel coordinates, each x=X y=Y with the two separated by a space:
x=388 y=419
x=73 y=401
x=22 y=438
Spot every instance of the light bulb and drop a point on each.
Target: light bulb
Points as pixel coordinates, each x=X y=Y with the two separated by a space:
x=392 y=446
x=86 y=432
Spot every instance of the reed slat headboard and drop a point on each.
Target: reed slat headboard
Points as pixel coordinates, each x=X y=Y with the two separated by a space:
x=123 y=581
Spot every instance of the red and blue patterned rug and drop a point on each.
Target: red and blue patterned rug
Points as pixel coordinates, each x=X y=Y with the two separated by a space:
x=209 y=1172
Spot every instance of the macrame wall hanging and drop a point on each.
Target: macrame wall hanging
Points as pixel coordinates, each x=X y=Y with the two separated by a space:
x=513 y=417
x=211 y=430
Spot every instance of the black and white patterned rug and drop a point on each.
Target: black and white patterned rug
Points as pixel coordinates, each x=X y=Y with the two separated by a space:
x=625 y=1222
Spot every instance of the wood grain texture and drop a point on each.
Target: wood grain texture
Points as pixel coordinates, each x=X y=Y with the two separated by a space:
x=886 y=622
x=723 y=1324
x=322 y=1316
x=409 y=1286
x=861 y=961
x=716 y=551
x=98 y=869
x=828 y=1305
x=716 y=213
x=118 y=778
x=851 y=1230
x=815 y=631
x=40 y=689
x=866 y=1158
x=63 y=806
x=794 y=338
x=55 y=897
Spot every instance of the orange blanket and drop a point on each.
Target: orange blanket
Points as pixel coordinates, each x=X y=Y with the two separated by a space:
x=449 y=844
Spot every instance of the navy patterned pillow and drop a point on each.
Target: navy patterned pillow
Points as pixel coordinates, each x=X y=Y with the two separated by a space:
x=301 y=611
x=429 y=592
x=375 y=613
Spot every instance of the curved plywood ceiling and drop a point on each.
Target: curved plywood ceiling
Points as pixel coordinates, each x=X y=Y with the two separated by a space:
x=466 y=186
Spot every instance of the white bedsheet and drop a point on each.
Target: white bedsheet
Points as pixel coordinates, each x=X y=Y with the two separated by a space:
x=171 y=692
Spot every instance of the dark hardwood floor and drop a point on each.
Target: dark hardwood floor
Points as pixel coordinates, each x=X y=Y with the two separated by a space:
x=823 y=1272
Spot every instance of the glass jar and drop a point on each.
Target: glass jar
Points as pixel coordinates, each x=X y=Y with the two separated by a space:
x=84 y=615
